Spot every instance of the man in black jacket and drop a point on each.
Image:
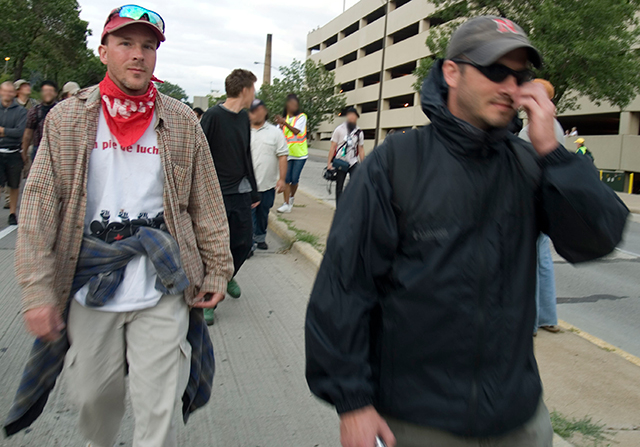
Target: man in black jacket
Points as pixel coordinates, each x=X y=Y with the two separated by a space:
x=419 y=323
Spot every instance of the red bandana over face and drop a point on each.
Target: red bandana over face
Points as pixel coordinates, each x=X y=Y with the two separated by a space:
x=128 y=117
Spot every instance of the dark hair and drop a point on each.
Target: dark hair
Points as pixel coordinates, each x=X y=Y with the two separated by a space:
x=237 y=81
x=291 y=96
x=198 y=111
x=50 y=84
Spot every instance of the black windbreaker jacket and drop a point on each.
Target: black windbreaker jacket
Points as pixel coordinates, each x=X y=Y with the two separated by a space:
x=424 y=304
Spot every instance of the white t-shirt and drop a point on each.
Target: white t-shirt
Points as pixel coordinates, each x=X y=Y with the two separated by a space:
x=125 y=180
x=348 y=143
x=301 y=125
x=267 y=145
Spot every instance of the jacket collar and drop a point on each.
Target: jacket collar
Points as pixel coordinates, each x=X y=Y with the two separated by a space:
x=467 y=138
x=91 y=97
x=13 y=104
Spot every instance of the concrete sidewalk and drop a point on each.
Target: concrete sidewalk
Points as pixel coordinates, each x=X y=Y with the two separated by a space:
x=260 y=396
x=581 y=379
x=632 y=201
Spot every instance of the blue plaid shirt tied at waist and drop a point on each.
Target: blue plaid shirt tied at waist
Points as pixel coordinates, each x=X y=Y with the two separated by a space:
x=101 y=265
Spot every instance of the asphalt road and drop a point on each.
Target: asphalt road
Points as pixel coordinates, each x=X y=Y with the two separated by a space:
x=601 y=298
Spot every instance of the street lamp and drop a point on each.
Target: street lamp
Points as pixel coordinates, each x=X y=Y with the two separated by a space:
x=6 y=63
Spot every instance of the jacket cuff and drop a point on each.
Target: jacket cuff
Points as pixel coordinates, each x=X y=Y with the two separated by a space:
x=34 y=297
x=355 y=403
x=214 y=284
x=558 y=156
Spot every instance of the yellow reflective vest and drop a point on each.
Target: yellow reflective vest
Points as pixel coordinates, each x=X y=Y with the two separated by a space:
x=297 y=143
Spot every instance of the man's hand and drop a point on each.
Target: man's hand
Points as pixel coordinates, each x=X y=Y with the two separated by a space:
x=44 y=322
x=280 y=186
x=359 y=428
x=255 y=205
x=25 y=158
x=542 y=112
x=329 y=166
x=216 y=298
x=1 y=131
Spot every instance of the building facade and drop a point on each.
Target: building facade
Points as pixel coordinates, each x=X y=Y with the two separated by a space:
x=351 y=45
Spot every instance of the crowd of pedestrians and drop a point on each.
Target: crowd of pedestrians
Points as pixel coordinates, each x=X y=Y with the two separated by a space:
x=138 y=214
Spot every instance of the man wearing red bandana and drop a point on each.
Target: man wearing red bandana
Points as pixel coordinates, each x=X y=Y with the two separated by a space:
x=129 y=168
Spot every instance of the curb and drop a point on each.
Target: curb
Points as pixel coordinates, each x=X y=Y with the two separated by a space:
x=303 y=249
x=599 y=342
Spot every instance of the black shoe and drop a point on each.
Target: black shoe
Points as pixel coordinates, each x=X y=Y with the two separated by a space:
x=263 y=246
x=13 y=220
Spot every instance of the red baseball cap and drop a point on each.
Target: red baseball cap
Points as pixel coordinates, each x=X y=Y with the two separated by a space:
x=131 y=15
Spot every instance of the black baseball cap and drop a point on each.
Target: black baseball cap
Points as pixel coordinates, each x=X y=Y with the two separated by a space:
x=256 y=103
x=352 y=110
x=484 y=40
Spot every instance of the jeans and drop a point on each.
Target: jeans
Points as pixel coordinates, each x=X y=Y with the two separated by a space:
x=546 y=300
x=238 y=208
x=260 y=215
x=340 y=178
x=294 y=169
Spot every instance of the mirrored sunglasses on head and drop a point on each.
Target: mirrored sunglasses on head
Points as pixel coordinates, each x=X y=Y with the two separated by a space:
x=136 y=12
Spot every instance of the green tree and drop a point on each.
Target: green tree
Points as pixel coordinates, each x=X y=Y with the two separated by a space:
x=319 y=95
x=216 y=98
x=173 y=90
x=36 y=25
x=587 y=45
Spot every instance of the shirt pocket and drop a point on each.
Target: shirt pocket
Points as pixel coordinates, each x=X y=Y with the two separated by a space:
x=182 y=179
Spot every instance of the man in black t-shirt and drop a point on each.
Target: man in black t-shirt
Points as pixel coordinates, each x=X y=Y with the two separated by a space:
x=228 y=132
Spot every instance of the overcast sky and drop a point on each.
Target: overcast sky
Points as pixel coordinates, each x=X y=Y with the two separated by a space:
x=206 y=39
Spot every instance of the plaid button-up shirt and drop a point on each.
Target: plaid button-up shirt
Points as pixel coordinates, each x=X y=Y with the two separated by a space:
x=55 y=199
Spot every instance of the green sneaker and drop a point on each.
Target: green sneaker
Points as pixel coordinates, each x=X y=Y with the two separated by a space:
x=208 y=316
x=233 y=289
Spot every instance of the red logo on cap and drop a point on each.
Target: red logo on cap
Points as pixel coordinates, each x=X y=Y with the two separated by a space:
x=506 y=26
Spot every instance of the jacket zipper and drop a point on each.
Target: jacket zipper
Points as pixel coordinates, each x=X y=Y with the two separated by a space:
x=480 y=319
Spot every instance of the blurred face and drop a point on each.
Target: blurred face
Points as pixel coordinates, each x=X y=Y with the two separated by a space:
x=352 y=118
x=130 y=56
x=258 y=116
x=292 y=107
x=479 y=101
x=48 y=94
x=248 y=95
x=7 y=93
x=24 y=90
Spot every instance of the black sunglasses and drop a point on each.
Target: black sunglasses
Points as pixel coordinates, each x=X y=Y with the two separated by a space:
x=498 y=72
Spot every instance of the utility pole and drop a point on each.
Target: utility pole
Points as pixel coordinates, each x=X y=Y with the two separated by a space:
x=384 y=50
x=266 y=77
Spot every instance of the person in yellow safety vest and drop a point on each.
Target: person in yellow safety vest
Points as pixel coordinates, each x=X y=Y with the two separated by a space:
x=294 y=126
x=582 y=149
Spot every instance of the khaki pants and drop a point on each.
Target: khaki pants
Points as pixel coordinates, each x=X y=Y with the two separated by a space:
x=535 y=433
x=153 y=342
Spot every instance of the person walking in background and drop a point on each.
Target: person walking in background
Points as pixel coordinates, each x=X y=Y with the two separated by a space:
x=347 y=149
x=418 y=328
x=294 y=126
x=23 y=92
x=37 y=115
x=124 y=226
x=13 y=119
x=269 y=151
x=546 y=299
x=583 y=149
x=69 y=89
x=228 y=132
x=199 y=112
x=574 y=132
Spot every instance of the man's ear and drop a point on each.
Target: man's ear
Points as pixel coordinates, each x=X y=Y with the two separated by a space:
x=452 y=73
x=102 y=51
